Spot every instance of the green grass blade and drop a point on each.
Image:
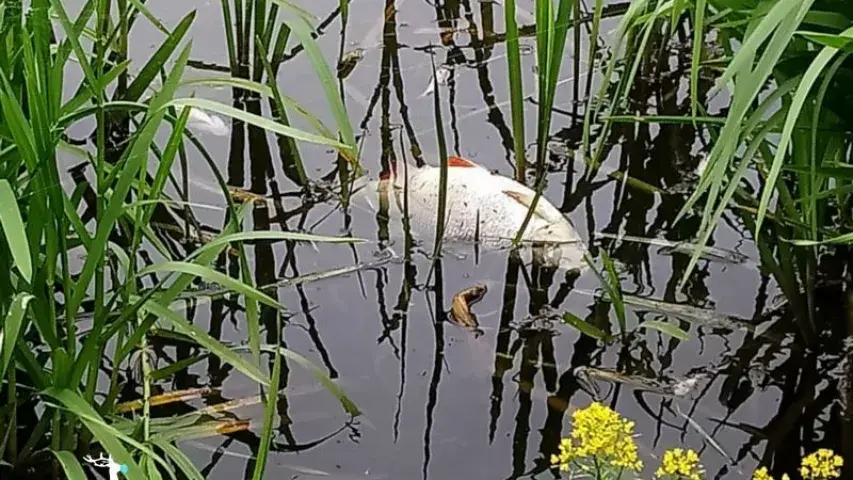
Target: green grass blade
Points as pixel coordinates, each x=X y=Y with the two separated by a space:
x=516 y=94
x=666 y=328
x=810 y=78
x=303 y=31
x=179 y=458
x=70 y=465
x=135 y=160
x=768 y=24
x=150 y=70
x=615 y=291
x=12 y=328
x=269 y=409
x=269 y=235
x=698 y=43
x=201 y=337
x=211 y=275
x=327 y=382
x=259 y=121
x=584 y=327
x=14 y=231
x=109 y=437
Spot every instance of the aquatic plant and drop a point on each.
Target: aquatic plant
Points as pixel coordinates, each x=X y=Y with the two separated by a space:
x=80 y=302
x=601 y=444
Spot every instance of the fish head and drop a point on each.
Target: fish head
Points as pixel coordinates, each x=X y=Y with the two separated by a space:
x=558 y=245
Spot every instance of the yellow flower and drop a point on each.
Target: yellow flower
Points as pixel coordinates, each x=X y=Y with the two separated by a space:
x=680 y=463
x=599 y=432
x=821 y=465
x=761 y=474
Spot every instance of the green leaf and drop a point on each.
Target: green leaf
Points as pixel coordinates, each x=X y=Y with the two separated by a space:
x=303 y=31
x=155 y=64
x=666 y=328
x=14 y=230
x=840 y=42
x=810 y=78
x=257 y=121
x=269 y=235
x=584 y=327
x=845 y=239
x=12 y=328
x=327 y=382
x=70 y=465
x=108 y=436
x=269 y=409
x=180 y=459
x=212 y=275
x=201 y=337
x=615 y=290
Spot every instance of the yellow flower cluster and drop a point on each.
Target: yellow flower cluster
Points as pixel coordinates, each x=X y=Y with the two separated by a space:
x=680 y=463
x=762 y=474
x=565 y=455
x=599 y=432
x=821 y=465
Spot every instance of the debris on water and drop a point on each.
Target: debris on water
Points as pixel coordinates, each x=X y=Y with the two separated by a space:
x=701 y=316
x=587 y=376
x=545 y=321
x=686 y=248
x=349 y=61
x=460 y=308
x=244 y=196
x=442 y=75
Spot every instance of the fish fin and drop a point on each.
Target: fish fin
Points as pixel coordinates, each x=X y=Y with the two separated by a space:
x=454 y=161
x=525 y=201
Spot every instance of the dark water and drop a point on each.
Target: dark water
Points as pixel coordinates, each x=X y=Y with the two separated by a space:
x=438 y=403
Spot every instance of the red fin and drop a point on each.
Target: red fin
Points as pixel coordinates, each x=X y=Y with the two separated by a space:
x=454 y=161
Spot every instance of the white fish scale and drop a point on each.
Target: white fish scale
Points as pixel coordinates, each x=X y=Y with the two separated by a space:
x=473 y=191
x=469 y=191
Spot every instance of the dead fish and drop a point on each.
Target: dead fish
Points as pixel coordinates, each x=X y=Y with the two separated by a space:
x=205 y=122
x=460 y=308
x=674 y=388
x=348 y=62
x=708 y=253
x=482 y=207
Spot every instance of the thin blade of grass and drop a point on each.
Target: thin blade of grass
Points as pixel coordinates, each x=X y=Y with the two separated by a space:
x=584 y=327
x=201 y=337
x=12 y=327
x=810 y=78
x=258 y=121
x=14 y=231
x=666 y=328
x=70 y=465
x=211 y=275
x=327 y=382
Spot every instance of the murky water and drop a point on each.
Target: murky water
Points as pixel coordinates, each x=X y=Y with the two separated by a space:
x=438 y=403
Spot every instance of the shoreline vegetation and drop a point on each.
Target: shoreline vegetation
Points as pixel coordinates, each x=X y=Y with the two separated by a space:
x=95 y=291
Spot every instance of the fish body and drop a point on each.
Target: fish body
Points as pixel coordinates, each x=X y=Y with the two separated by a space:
x=482 y=207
